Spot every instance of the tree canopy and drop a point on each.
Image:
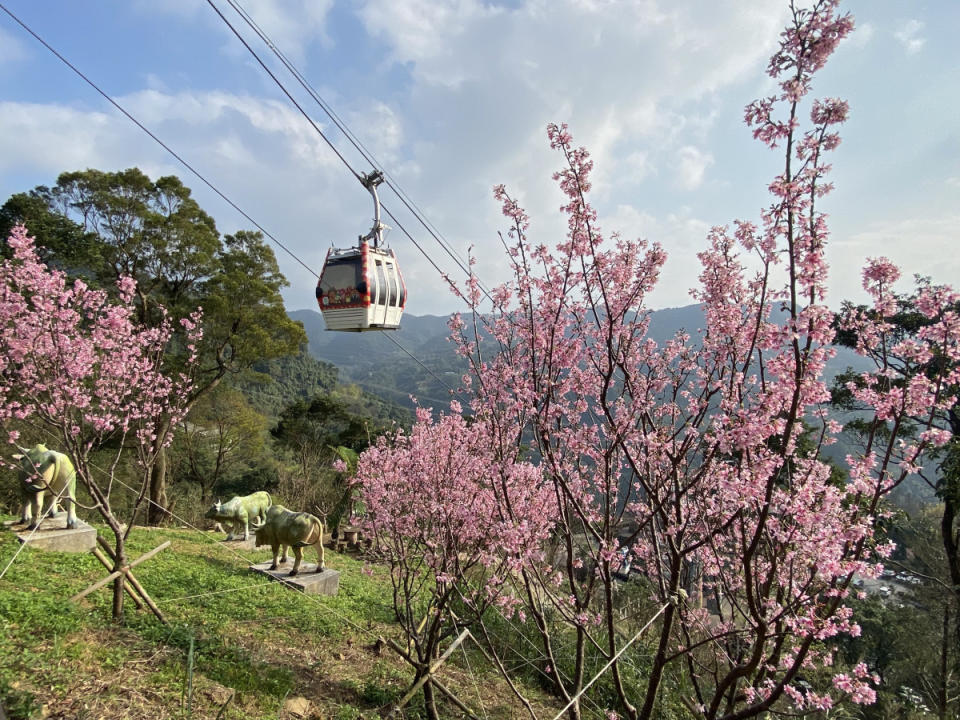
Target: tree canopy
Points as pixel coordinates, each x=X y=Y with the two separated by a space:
x=106 y=225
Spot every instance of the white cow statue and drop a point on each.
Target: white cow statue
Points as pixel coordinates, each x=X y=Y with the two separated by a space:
x=43 y=471
x=237 y=513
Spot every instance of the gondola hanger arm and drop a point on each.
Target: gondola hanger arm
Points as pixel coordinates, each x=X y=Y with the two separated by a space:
x=370 y=181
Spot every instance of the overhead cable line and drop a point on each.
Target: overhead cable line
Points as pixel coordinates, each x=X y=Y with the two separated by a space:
x=286 y=92
x=192 y=169
x=316 y=127
x=327 y=140
x=352 y=137
x=160 y=142
x=435 y=377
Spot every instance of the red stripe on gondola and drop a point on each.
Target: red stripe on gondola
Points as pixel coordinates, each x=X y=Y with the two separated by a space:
x=364 y=263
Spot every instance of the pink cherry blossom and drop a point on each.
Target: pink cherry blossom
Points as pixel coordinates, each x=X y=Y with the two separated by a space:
x=685 y=455
x=79 y=368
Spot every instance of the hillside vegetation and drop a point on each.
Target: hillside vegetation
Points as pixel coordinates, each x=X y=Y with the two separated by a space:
x=258 y=646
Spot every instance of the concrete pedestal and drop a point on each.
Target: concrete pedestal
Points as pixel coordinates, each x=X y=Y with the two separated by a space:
x=307 y=582
x=54 y=535
x=249 y=544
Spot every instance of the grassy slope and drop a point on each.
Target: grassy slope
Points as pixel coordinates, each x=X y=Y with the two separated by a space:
x=255 y=640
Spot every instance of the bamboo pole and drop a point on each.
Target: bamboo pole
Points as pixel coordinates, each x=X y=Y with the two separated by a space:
x=102 y=541
x=190 y=679
x=440 y=686
x=430 y=670
x=453 y=698
x=126 y=585
x=116 y=573
x=146 y=598
x=133 y=582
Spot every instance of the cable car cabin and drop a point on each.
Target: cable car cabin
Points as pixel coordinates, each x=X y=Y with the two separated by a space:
x=361 y=289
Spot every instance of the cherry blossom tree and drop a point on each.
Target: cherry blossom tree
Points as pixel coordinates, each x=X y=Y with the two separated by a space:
x=910 y=341
x=453 y=517
x=80 y=369
x=686 y=457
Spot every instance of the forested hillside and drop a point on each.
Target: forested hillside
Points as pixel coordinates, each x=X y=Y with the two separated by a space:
x=384 y=368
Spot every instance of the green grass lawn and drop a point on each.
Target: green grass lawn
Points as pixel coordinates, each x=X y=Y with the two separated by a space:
x=257 y=644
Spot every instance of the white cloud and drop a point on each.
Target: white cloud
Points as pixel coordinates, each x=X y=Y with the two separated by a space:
x=635 y=81
x=862 y=35
x=214 y=110
x=155 y=82
x=453 y=97
x=924 y=245
x=909 y=36
x=380 y=129
x=681 y=235
x=252 y=150
x=53 y=138
x=637 y=167
x=11 y=49
x=430 y=33
x=692 y=165
x=559 y=47
x=291 y=24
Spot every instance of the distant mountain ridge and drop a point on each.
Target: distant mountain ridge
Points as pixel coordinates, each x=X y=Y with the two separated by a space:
x=377 y=361
x=421 y=335
x=380 y=365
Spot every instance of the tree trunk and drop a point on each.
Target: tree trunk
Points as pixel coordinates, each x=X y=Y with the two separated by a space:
x=628 y=708
x=430 y=701
x=118 y=592
x=948 y=533
x=157 y=513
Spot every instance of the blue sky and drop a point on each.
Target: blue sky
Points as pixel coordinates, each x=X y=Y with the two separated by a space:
x=453 y=97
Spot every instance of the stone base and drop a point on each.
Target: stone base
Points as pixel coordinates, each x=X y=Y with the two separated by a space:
x=9 y=524
x=249 y=544
x=307 y=581
x=54 y=535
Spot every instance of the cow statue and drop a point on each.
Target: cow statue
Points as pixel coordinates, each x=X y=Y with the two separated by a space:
x=237 y=513
x=43 y=470
x=283 y=528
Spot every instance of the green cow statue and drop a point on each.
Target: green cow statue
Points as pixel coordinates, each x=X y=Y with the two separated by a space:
x=43 y=470
x=283 y=528
x=237 y=513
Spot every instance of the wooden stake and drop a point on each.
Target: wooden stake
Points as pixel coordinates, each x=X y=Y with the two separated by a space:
x=122 y=571
x=126 y=586
x=102 y=541
x=190 y=679
x=453 y=698
x=133 y=582
x=430 y=670
x=146 y=598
